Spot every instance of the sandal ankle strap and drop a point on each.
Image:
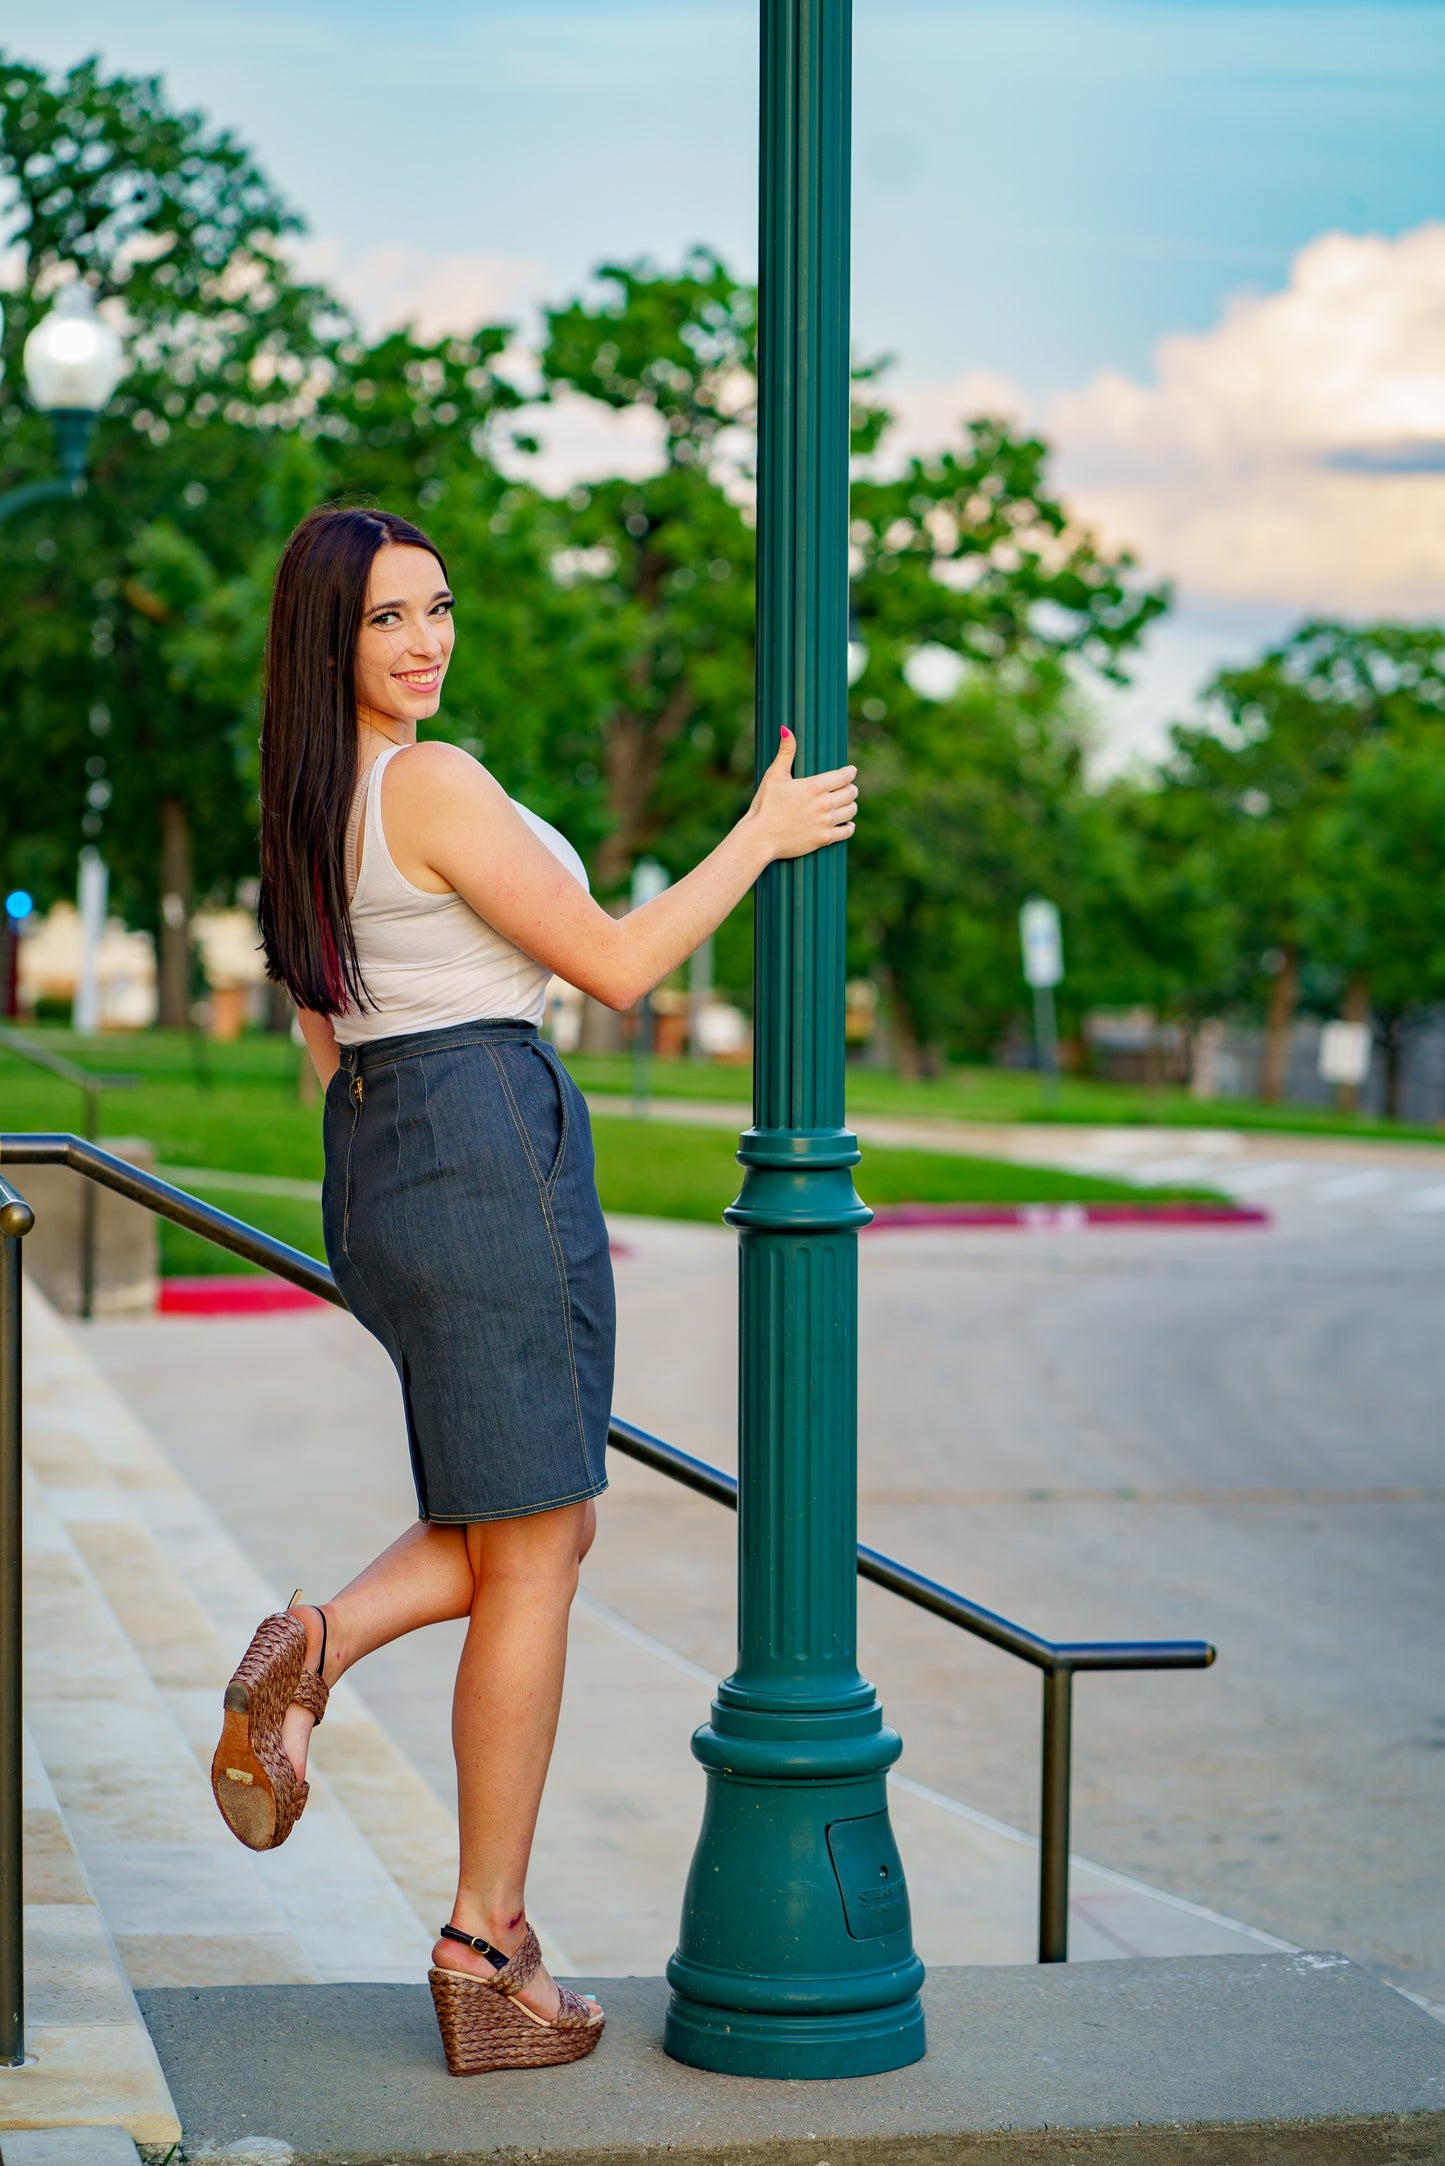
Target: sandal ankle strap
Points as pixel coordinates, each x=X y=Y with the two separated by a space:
x=493 y=1955
x=312 y=1691
x=513 y=1971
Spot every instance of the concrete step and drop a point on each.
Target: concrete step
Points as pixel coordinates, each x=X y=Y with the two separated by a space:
x=69 y=2147
x=138 y=1603
x=92 y=2082
x=1215 y=2061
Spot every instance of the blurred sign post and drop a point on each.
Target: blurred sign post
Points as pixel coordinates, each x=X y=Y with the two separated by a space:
x=1043 y=949
x=649 y=880
x=699 y=992
x=1345 y=1060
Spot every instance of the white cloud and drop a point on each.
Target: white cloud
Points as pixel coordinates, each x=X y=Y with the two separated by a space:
x=931 y=416
x=1295 y=453
x=1291 y=458
x=582 y=439
x=395 y=284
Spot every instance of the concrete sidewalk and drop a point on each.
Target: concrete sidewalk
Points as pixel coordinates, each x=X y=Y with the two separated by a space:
x=1223 y=2061
x=140 y=1600
x=141 y=1592
x=1106 y=1435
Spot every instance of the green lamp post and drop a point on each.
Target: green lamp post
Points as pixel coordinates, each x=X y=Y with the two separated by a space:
x=73 y=362
x=795 y=1956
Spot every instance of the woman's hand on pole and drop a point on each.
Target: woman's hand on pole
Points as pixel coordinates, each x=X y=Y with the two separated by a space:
x=802 y=813
x=449 y=824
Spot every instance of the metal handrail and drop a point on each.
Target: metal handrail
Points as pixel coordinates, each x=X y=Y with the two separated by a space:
x=1059 y=1660
x=90 y=1084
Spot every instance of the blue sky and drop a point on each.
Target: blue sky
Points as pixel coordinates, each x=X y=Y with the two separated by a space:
x=1043 y=192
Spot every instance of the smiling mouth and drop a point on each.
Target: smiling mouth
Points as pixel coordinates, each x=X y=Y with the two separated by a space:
x=420 y=680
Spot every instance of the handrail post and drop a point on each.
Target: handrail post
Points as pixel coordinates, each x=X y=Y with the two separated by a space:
x=88 y=1202
x=1055 y=1785
x=16 y=1220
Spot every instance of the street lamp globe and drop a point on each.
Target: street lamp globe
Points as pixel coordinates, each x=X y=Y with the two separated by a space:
x=73 y=362
x=73 y=358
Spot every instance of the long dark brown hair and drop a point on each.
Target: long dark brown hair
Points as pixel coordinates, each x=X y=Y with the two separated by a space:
x=308 y=749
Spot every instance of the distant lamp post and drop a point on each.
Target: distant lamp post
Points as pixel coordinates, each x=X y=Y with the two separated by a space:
x=73 y=362
x=18 y=907
x=92 y=902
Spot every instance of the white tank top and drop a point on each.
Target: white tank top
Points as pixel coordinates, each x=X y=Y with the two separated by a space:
x=428 y=960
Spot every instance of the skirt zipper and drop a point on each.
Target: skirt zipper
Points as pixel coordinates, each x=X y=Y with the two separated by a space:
x=356 y=1101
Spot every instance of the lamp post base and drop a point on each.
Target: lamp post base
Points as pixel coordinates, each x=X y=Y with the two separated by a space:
x=796 y=1956
x=736 y=2042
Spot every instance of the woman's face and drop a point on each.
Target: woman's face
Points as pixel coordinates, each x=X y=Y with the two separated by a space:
x=406 y=636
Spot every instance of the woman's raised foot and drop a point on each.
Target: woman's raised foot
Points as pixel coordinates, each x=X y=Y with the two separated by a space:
x=299 y=1722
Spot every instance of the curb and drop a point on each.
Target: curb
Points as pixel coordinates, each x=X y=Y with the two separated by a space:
x=254 y=1294
x=1064 y=1217
x=223 y=1295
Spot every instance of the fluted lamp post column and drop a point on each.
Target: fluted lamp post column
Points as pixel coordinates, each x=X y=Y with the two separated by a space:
x=795 y=1956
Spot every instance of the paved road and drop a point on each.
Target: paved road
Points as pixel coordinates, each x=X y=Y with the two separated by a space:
x=1233 y=1433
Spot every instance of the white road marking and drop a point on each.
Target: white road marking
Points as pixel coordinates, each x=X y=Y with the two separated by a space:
x=1351 y=1184
x=1173 y=1169
x=1249 y=1178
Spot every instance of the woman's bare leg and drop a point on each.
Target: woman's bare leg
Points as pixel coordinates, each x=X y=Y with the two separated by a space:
x=504 y=1719
x=515 y=1579
x=425 y=1577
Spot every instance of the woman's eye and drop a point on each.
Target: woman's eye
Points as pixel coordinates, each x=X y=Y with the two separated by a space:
x=383 y=619
x=443 y=609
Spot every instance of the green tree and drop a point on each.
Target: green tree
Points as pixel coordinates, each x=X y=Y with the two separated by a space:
x=666 y=563
x=1159 y=920
x=132 y=674
x=433 y=430
x=1268 y=763
x=975 y=599
x=1379 y=876
x=182 y=238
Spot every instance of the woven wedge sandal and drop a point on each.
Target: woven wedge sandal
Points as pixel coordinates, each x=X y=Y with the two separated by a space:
x=252 y=1778
x=484 y=2025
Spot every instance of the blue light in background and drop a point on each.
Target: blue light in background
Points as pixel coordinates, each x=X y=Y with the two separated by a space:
x=18 y=904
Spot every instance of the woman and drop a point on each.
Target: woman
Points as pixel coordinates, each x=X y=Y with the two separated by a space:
x=415 y=914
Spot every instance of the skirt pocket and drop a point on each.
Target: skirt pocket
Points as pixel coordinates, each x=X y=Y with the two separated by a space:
x=536 y=1099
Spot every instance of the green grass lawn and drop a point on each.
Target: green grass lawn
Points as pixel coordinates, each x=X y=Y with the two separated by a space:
x=250 y=1120
x=1004 y=1094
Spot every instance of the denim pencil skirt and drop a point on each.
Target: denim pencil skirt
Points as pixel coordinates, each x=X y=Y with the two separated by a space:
x=463 y=1228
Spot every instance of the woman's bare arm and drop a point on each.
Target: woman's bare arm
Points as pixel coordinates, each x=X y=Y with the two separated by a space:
x=320 y=1035
x=449 y=824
